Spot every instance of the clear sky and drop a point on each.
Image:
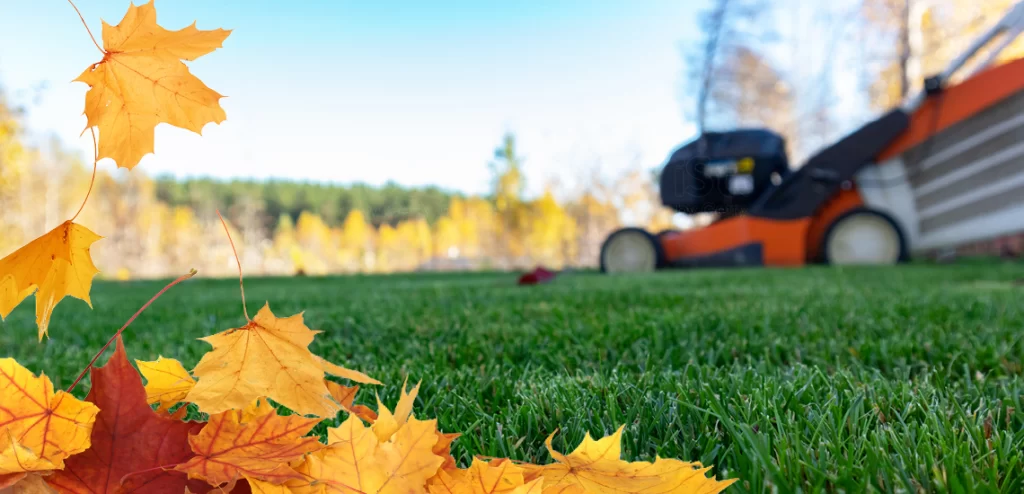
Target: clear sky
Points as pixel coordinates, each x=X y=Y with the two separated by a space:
x=413 y=91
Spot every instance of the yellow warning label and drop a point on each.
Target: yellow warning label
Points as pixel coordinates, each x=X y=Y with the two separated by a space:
x=745 y=165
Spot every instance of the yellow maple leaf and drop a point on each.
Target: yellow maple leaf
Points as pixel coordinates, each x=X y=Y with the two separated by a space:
x=167 y=381
x=17 y=459
x=387 y=423
x=264 y=487
x=482 y=478
x=403 y=410
x=355 y=461
x=39 y=429
x=352 y=375
x=141 y=82
x=268 y=357
x=53 y=266
x=256 y=443
x=562 y=489
x=535 y=486
x=596 y=467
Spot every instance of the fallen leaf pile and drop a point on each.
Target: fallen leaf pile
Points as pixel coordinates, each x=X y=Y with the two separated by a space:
x=124 y=437
x=259 y=388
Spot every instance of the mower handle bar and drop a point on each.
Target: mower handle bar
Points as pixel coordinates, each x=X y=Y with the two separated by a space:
x=1011 y=25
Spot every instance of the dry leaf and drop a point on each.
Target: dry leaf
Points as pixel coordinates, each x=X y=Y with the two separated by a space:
x=130 y=442
x=167 y=381
x=269 y=357
x=355 y=461
x=345 y=396
x=480 y=478
x=33 y=483
x=9 y=479
x=535 y=486
x=447 y=482
x=352 y=375
x=596 y=467
x=261 y=487
x=142 y=82
x=443 y=448
x=387 y=423
x=39 y=429
x=16 y=459
x=364 y=412
x=256 y=443
x=56 y=264
x=403 y=410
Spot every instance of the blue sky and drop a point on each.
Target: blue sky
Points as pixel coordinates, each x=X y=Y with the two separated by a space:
x=411 y=91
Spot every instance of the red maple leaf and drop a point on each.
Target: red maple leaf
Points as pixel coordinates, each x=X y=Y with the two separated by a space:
x=539 y=275
x=131 y=444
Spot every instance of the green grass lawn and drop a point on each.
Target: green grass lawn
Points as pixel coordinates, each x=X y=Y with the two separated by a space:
x=818 y=379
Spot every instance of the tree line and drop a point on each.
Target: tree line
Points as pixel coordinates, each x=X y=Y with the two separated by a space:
x=161 y=226
x=387 y=204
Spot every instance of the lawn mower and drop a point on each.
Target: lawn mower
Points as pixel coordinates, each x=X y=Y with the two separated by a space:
x=944 y=169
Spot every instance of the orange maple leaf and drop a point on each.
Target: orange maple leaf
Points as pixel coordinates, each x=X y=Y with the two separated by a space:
x=345 y=396
x=355 y=461
x=596 y=467
x=9 y=479
x=255 y=443
x=268 y=357
x=39 y=429
x=142 y=82
x=443 y=448
x=56 y=264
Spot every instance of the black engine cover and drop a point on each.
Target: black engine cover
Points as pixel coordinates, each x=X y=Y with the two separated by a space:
x=723 y=171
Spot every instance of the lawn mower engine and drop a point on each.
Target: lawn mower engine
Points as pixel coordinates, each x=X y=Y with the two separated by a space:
x=723 y=172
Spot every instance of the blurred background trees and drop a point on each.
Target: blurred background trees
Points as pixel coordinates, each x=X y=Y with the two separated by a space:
x=780 y=65
x=160 y=226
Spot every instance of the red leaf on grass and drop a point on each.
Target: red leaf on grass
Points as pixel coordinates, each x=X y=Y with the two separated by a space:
x=130 y=441
x=538 y=275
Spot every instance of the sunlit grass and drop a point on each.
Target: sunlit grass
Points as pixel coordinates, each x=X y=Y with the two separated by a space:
x=820 y=379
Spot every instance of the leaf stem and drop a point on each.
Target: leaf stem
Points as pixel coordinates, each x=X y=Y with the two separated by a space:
x=87 y=28
x=241 y=286
x=181 y=278
x=95 y=158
